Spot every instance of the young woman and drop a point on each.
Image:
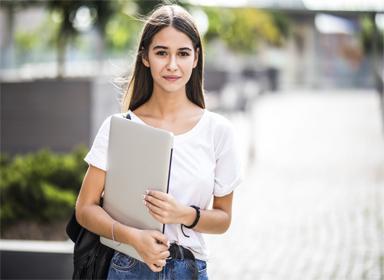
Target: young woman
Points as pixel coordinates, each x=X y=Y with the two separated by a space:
x=166 y=91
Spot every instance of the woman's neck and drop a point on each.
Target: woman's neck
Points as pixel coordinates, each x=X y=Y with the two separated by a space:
x=167 y=105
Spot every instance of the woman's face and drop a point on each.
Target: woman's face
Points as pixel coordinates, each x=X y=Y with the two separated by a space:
x=171 y=59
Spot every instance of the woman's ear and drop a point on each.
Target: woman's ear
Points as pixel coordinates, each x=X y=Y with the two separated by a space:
x=196 y=60
x=144 y=58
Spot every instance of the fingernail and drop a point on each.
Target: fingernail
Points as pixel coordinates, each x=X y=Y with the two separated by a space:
x=147 y=191
x=145 y=203
x=144 y=196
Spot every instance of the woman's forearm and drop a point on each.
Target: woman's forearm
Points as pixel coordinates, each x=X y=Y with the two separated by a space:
x=214 y=221
x=95 y=219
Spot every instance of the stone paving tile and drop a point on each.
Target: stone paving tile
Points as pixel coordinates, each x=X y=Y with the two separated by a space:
x=312 y=204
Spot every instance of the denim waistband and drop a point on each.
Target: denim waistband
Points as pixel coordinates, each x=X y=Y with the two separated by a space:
x=181 y=253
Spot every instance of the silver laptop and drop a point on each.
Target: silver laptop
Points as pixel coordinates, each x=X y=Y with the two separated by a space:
x=139 y=158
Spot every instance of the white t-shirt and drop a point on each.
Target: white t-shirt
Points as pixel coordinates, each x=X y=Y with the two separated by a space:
x=205 y=163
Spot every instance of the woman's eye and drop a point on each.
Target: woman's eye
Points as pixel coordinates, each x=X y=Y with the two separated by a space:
x=183 y=53
x=161 y=53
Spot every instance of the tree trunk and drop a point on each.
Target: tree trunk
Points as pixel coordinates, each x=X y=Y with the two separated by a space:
x=61 y=51
x=100 y=47
x=7 y=38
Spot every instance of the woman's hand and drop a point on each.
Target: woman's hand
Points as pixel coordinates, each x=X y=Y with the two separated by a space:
x=153 y=248
x=165 y=209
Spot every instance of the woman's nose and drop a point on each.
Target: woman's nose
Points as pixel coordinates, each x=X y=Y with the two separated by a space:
x=172 y=63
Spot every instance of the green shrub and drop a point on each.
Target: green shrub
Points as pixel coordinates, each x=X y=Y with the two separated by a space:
x=41 y=186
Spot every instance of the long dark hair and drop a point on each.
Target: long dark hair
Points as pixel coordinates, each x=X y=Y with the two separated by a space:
x=140 y=86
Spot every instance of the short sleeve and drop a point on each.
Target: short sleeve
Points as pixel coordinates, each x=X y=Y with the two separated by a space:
x=228 y=170
x=97 y=155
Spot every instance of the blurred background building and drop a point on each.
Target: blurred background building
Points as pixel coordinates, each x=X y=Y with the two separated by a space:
x=301 y=79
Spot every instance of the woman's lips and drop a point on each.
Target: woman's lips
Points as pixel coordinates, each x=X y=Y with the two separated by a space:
x=171 y=78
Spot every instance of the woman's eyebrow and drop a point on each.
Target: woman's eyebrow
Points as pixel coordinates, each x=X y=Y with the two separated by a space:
x=160 y=47
x=185 y=49
x=166 y=48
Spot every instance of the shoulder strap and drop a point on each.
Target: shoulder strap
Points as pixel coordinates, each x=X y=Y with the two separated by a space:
x=127 y=116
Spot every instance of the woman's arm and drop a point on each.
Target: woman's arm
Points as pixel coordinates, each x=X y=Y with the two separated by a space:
x=164 y=208
x=215 y=221
x=151 y=245
x=88 y=212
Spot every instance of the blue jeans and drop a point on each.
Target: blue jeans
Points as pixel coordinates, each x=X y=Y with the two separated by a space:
x=126 y=267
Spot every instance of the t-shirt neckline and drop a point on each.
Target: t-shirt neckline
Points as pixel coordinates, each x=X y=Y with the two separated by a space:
x=182 y=136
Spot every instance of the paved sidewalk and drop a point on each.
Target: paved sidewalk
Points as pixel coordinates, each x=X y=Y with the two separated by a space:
x=312 y=203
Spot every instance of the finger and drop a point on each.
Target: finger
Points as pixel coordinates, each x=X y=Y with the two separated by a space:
x=155 y=268
x=159 y=248
x=157 y=194
x=154 y=201
x=157 y=217
x=160 y=263
x=164 y=255
x=161 y=238
x=155 y=209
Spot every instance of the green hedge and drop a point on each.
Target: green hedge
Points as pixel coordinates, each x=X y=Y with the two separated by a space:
x=41 y=186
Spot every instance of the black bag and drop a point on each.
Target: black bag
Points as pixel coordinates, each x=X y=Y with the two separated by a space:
x=90 y=258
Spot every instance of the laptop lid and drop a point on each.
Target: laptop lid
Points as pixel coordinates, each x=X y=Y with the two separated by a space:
x=139 y=158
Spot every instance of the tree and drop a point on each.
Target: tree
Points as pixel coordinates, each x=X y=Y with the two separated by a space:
x=243 y=28
x=10 y=8
x=67 y=10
